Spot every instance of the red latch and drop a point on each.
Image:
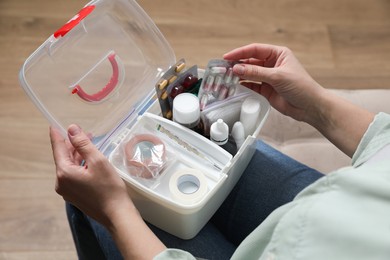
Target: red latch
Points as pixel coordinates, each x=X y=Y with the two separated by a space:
x=74 y=21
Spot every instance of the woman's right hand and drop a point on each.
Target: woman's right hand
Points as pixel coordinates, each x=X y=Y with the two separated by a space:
x=275 y=73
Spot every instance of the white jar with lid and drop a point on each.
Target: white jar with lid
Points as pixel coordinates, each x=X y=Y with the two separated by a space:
x=186 y=110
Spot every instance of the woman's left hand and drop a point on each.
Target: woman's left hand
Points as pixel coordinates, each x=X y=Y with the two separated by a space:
x=95 y=187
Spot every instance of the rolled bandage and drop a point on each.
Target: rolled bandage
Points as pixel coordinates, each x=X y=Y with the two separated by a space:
x=188 y=186
x=145 y=155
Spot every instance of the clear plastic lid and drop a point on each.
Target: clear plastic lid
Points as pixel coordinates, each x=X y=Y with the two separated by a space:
x=99 y=69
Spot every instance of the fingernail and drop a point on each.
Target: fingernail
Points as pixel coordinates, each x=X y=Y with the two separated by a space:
x=74 y=130
x=239 y=69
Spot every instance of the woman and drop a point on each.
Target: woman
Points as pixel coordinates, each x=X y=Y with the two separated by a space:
x=279 y=209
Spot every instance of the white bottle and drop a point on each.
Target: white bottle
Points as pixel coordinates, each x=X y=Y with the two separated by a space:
x=219 y=132
x=250 y=110
x=186 y=110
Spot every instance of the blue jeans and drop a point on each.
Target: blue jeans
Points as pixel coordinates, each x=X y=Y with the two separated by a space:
x=271 y=179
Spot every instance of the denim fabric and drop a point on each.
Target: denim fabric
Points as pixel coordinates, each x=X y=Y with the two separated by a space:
x=271 y=179
x=92 y=240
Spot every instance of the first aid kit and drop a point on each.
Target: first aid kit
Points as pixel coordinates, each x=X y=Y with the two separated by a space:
x=111 y=71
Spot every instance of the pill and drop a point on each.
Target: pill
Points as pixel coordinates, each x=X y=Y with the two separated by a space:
x=176 y=90
x=218 y=70
x=179 y=67
x=229 y=76
x=164 y=95
x=217 y=83
x=203 y=101
x=232 y=91
x=209 y=83
x=236 y=80
x=189 y=81
x=162 y=84
x=168 y=114
x=223 y=93
x=172 y=79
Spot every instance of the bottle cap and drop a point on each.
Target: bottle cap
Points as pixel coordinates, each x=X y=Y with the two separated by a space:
x=219 y=132
x=186 y=109
x=238 y=134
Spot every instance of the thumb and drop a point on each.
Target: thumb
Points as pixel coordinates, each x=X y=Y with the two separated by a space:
x=81 y=142
x=254 y=73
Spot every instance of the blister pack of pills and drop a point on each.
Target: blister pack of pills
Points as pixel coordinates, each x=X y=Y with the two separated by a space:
x=184 y=83
x=218 y=83
x=162 y=85
x=175 y=81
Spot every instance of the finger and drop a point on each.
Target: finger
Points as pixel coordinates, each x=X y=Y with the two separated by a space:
x=82 y=143
x=263 y=89
x=267 y=91
x=255 y=86
x=60 y=150
x=253 y=61
x=255 y=50
x=257 y=62
x=76 y=156
x=254 y=73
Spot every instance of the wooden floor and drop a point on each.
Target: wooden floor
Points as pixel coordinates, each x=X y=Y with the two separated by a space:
x=342 y=43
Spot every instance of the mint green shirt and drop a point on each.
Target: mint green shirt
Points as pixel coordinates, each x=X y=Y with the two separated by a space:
x=344 y=215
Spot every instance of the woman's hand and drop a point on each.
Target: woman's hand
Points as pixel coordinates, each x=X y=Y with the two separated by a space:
x=98 y=191
x=275 y=73
x=95 y=188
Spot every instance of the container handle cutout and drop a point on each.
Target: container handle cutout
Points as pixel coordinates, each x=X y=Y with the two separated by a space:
x=107 y=89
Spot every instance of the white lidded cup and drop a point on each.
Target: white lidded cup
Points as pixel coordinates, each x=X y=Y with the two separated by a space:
x=238 y=133
x=186 y=110
x=250 y=110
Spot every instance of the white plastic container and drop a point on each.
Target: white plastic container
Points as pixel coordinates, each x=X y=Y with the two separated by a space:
x=99 y=71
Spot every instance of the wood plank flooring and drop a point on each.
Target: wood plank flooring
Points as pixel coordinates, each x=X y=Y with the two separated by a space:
x=342 y=43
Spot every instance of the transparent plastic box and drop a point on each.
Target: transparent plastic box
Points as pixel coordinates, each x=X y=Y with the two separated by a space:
x=99 y=71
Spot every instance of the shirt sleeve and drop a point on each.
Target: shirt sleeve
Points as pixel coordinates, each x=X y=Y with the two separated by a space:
x=173 y=253
x=376 y=137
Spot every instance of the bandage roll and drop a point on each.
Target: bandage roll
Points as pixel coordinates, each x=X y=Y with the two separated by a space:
x=145 y=155
x=188 y=186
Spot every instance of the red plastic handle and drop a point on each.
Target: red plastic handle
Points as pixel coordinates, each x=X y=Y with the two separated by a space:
x=106 y=89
